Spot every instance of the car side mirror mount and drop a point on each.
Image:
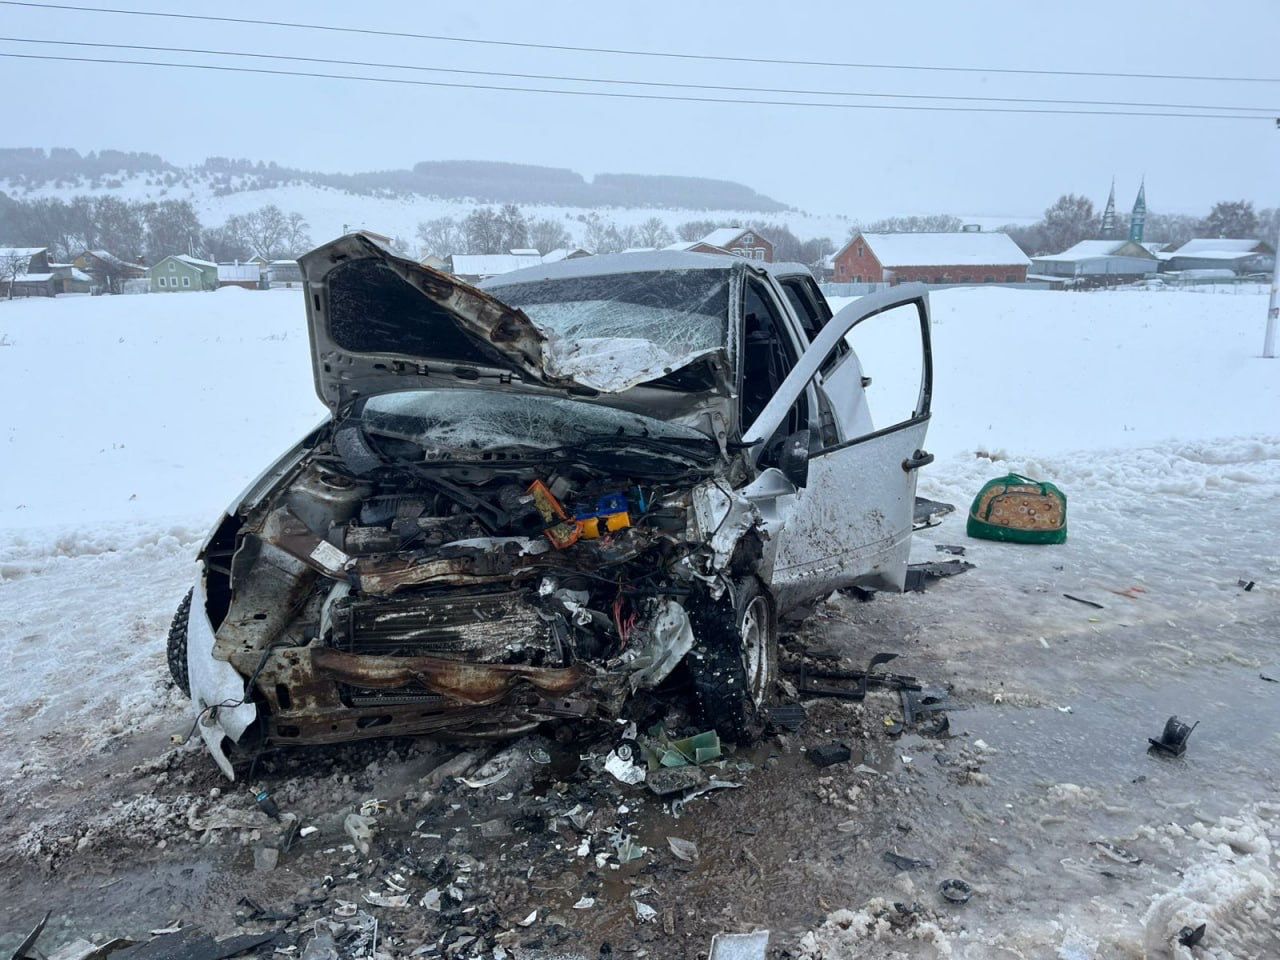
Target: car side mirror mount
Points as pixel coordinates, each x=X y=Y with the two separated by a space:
x=793 y=460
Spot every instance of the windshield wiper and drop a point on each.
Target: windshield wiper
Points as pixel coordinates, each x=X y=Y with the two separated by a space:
x=670 y=445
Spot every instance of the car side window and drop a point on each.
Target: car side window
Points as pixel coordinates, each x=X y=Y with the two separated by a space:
x=768 y=355
x=814 y=313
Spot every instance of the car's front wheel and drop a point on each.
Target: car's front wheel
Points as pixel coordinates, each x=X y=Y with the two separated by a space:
x=177 y=645
x=734 y=663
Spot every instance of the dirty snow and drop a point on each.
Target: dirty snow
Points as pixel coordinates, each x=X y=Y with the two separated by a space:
x=129 y=422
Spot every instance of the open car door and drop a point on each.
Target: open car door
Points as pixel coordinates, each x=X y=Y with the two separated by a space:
x=847 y=518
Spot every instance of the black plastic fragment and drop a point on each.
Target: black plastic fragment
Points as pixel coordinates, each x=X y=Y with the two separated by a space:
x=267 y=805
x=1190 y=936
x=787 y=716
x=1173 y=739
x=29 y=941
x=829 y=753
x=906 y=863
x=1248 y=585
x=1087 y=603
x=191 y=943
x=893 y=681
x=920 y=575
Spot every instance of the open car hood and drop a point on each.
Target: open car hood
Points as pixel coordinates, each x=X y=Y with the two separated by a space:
x=380 y=323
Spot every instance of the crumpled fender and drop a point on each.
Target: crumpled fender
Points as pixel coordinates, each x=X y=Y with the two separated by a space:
x=217 y=688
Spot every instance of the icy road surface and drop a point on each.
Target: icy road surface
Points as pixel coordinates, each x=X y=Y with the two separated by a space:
x=129 y=423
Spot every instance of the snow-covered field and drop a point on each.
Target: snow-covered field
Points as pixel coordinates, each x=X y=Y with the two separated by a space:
x=129 y=422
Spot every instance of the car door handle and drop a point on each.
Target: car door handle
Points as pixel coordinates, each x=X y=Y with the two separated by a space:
x=917 y=460
x=866 y=382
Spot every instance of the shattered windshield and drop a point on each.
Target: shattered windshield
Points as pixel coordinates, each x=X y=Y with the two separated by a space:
x=480 y=420
x=614 y=331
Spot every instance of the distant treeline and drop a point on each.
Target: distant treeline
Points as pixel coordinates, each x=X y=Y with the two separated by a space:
x=483 y=181
x=145 y=232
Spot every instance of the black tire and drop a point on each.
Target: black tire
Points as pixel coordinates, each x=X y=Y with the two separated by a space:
x=734 y=662
x=177 y=647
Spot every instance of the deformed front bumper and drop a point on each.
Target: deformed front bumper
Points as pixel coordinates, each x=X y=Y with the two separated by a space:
x=224 y=707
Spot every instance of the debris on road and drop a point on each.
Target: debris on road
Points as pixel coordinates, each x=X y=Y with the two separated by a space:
x=864 y=679
x=669 y=780
x=1173 y=739
x=685 y=850
x=1115 y=852
x=829 y=754
x=955 y=891
x=788 y=717
x=24 y=948
x=740 y=946
x=920 y=575
x=954 y=549
x=1087 y=603
x=1017 y=509
x=900 y=862
x=1246 y=585
x=266 y=804
x=1190 y=936
x=361 y=830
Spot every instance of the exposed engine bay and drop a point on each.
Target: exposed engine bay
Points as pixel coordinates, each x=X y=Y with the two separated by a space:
x=398 y=582
x=535 y=498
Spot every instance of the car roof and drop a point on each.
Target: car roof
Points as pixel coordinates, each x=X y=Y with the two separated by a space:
x=648 y=261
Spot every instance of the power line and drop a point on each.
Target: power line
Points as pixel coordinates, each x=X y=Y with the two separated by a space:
x=720 y=58
x=1262 y=112
x=631 y=96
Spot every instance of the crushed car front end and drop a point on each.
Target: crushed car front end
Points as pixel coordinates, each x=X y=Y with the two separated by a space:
x=485 y=535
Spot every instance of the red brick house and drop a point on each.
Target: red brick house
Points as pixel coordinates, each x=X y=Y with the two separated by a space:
x=968 y=257
x=741 y=242
x=695 y=246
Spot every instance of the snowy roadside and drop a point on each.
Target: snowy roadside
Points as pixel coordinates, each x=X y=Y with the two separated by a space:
x=1151 y=410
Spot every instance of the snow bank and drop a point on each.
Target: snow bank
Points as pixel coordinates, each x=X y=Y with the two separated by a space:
x=1041 y=372
x=134 y=408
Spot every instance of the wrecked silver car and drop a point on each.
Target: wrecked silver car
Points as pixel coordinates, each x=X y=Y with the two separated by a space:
x=535 y=498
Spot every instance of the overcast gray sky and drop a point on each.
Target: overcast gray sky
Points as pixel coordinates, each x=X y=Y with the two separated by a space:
x=862 y=163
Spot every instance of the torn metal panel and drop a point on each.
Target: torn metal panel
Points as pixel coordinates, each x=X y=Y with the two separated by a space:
x=667 y=635
x=722 y=516
x=473 y=684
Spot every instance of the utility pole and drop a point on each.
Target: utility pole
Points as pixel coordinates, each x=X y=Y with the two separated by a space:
x=1273 y=308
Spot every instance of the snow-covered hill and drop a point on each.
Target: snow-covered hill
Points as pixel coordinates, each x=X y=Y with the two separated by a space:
x=331 y=212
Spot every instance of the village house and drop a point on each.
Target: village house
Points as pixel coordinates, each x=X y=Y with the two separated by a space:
x=1096 y=260
x=28 y=272
x=283 y=273
x=739 y=241
x=180 y=273
x=565 y=253
x=474 y=267
x=107 y=271
x=1241 y=257
x=967 y=257
x=247 y=276
x=695 y=246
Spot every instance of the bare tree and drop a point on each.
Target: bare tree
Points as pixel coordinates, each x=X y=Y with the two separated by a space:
x=653 y=233
x=548 y=235
x=1070 y=220
x=440 y=237
x=13 y=264
x=514 y=227
x=483 y=231
x=265 y=230
x=1230 y=218
x=297 y=235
